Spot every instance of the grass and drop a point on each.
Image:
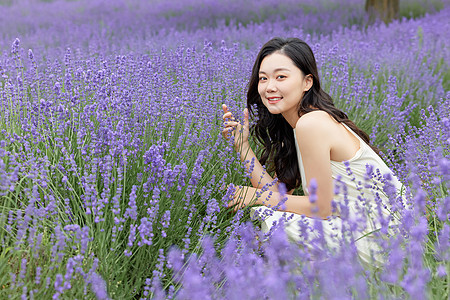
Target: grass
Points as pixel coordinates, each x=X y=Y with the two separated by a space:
x=125 y=276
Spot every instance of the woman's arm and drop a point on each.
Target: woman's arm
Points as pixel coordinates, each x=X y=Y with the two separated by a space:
x=296 y=204
x=258 y=175
x=315 y=137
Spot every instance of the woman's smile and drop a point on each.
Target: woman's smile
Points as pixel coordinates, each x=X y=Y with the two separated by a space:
x=273 y=100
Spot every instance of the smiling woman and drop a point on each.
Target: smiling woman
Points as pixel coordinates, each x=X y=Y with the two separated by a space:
x=307 y=141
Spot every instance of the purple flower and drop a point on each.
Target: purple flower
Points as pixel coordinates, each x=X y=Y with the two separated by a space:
x=165 y=221
x=15 y=46
x=98 y=286
x=131 y=211
x=441 y=272
x=59 y=285
x=37 y=279
x=85 y=127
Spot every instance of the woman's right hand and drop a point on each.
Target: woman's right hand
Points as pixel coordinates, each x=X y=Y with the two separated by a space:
x=235 y=128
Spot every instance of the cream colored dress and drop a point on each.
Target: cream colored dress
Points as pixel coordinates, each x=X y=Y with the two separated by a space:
x=361 y=203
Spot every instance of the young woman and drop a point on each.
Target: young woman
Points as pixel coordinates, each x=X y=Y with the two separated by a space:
x=307 y=141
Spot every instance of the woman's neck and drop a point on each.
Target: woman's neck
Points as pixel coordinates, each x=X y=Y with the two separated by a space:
x=292 y=118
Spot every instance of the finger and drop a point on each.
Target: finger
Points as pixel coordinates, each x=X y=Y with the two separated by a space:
x=246 y=123
x=229 y=129
x=237 y=201
x=239 y=204
x=230 y=123
x=228 y=115
x=227 y=132
x=234 y=206
x=225 y=108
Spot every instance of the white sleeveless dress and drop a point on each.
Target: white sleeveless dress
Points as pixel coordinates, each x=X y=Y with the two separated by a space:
x=358 y=204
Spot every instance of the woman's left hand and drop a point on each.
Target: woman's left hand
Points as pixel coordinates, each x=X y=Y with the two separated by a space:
x=243 y=196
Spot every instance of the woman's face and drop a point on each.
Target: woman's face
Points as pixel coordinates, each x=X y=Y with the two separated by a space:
x=282 y=84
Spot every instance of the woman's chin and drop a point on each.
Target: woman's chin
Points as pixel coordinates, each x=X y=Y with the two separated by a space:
x=274 y=111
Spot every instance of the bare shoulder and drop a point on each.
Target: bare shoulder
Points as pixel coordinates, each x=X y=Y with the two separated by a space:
x=315 y=122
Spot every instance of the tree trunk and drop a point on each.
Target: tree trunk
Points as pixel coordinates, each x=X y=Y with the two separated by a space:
x=386 y=10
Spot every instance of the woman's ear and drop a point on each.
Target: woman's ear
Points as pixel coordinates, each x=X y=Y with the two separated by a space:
x=308 y=82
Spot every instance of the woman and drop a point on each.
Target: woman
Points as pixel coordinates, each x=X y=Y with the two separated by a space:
x=307 y=141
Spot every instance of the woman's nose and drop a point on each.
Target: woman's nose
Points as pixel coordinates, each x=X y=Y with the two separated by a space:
x=271 y=87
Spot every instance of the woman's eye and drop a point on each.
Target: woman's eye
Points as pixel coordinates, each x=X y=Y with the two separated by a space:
x=262 y=78
x=281 y=76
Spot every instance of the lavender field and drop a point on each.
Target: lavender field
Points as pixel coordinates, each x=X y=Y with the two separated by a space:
x=113 y=168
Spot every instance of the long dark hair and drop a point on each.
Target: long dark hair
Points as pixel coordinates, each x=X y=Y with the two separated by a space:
x=272 y=130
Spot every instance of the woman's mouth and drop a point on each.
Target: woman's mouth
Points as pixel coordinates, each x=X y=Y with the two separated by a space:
x=274 y=100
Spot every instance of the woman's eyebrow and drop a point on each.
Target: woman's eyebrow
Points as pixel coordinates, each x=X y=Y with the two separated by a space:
x=276 y=70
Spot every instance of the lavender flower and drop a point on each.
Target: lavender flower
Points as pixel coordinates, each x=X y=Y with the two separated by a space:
x=110 y=152
x=15 y=46
x=98 y=286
